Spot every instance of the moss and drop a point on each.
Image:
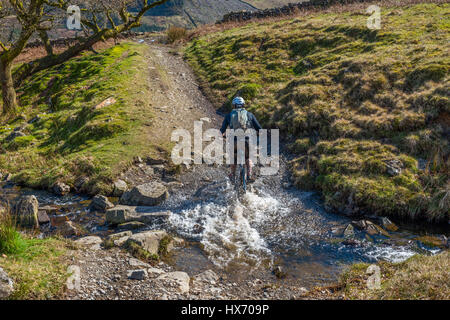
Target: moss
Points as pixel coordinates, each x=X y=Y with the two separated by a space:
x=163 y=245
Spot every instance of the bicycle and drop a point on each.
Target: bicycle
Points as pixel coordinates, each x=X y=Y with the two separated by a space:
x=240 y=183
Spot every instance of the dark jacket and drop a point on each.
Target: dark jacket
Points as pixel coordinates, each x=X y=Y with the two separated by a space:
x=251 y=119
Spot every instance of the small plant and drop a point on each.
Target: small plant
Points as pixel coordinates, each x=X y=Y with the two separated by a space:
x=10 y=240
x=175 y=33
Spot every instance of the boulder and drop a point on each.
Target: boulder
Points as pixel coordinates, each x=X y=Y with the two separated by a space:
x=89 y=241
x=179 y=279
x=119 y=188
x=137 y=274
x=100 y=203
x=6 y=285
x=148 y=194
x=68 y=229
x=388 y=224
x=393 y=167
x=148 y=240
x=360 y=225
x=119 y=235
x=122 y=214
x=26 y=210
x=138 y=263
x=154 y=272
x=59 y=220
x=208 y=277
x=60 y=188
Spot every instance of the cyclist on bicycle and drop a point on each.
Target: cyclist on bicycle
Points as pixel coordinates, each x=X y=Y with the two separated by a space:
x=240 y=118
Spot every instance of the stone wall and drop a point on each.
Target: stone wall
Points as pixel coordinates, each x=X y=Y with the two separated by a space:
x=283 y=11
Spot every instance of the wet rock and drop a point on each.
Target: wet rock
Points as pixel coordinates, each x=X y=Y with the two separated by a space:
x=388 y=224
x=60 y=188
x=279 y=272
x=149 y=194
x=49 y=209
x=68 y=229
x=57 y=221
x=198 y=228
x=133 y=225
x=178 y=279
x=372 y=229
x=433 y=241
x=6 y=285
x=137 y=274
x=26 y=211
x=349 y=231
x=350 y=242
x=360 y=225
x=122 y=214
x=43 y=217
x=100 y=203
x=148 y=240
x=13 y=135
x=120 y=187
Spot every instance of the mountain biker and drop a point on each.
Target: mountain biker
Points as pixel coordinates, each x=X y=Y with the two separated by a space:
x=240 y=118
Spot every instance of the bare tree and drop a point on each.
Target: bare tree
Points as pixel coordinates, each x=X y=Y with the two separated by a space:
x=101 y=20
x=29 y=14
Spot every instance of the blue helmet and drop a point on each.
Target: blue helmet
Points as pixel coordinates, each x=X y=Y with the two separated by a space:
x=238 y=101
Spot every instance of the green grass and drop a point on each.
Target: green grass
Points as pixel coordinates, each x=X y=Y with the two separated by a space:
x=418 y=278
x=37 y=267
x=10 y=240
x=348 y=100
x=72 y=139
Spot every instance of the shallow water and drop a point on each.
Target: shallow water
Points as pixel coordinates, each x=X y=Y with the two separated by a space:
x=272 y=224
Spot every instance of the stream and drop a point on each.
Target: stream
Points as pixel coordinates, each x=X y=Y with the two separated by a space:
x=274 y=224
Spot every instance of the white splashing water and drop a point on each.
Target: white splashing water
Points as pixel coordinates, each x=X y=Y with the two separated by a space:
x=228 y=229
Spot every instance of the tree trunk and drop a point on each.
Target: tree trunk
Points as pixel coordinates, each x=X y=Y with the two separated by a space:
x=46 y=42
x=28 y=69
x=8 y=92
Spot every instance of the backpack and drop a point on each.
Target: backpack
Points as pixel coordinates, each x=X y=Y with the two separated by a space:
x=239 y=119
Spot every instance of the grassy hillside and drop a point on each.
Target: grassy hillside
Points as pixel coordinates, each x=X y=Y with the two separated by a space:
x=365 y=111
x=71 y=138
x=418 y=278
